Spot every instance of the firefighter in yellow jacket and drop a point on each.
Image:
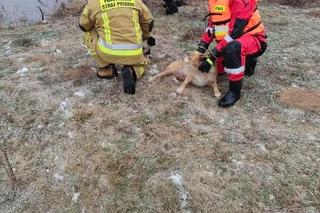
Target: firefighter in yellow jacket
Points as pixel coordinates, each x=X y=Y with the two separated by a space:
x=114 y=32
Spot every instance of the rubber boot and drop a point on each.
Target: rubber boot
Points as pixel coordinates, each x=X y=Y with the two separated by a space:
x=233 y=95
x=129 y=80
x=171 y=7
x=107 y=72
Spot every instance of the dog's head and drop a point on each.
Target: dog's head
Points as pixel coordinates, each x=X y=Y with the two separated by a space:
x=195 y=58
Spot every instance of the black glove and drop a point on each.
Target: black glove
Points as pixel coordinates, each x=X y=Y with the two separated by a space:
x=206 y=65
x=151 y=41
x=202 y=47
x=171 y=7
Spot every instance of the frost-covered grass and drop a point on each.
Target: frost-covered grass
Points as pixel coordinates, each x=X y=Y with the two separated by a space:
x=79 y=144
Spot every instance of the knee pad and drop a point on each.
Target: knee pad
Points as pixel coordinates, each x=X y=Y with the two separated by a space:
x=232 y=55
x=231 y=48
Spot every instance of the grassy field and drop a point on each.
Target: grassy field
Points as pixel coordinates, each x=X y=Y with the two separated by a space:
x=79 y=144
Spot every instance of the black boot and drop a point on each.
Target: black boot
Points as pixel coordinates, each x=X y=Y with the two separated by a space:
x=233 y=95
x=171 y=7
x=129 y=79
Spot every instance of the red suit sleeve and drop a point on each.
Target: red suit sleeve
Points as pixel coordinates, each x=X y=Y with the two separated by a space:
x=207 y=37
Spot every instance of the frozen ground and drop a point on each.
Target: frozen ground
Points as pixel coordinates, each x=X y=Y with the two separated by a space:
x=79 y=144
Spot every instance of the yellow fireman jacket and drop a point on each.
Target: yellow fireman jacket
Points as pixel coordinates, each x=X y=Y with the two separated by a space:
x=121 y=26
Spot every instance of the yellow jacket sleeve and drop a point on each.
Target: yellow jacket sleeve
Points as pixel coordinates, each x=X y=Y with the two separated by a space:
x=86 y=24
x=145 y=20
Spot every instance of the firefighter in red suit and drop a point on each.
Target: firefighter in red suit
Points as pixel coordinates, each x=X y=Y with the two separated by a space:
x=236 y=26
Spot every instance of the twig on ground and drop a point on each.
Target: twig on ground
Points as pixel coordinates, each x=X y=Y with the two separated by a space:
x=4 y=161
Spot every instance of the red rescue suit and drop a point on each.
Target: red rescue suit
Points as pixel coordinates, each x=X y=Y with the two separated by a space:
x=236 y=26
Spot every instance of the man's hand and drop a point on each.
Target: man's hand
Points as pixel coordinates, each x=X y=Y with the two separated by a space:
x=202 y=47
x=206 y=65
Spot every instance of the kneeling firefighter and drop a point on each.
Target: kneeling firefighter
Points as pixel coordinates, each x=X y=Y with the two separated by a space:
x=114 y=33
x=236 y=26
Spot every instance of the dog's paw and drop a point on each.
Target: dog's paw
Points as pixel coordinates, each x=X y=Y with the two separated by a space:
x=217 y=94
x=179 y=90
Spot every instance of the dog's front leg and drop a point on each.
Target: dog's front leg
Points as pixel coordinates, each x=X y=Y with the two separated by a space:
x=186 y=81
x=215 y=88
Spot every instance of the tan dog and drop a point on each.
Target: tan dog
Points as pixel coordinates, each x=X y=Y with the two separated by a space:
x=187 y=70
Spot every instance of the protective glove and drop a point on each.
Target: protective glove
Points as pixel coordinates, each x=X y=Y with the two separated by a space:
x=206 y=65
x=202 y=47
x=151 y=41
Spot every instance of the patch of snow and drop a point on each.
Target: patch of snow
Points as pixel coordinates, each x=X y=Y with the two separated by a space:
x=154 y=69
x=80 y=93
x=261 y=147
x=66 y=108
x=222 y=121
x=271 y=197
x=58 y=51
x=237 y=163
x=58 y=177
x=184 y=195
x=75 y=197
x=22 y=71
x=70 y=135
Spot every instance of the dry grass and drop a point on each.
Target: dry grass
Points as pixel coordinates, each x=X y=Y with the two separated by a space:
x=71 y=8
x=79 y=144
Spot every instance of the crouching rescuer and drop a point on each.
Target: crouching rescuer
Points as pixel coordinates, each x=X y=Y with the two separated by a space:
x=114 y=33
x=236 y=26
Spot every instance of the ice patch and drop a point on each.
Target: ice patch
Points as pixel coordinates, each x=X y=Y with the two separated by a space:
x=22 y=71
x=184 y=195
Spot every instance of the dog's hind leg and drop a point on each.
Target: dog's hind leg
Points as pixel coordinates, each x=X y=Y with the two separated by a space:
x=186 y=81
x=162 y=74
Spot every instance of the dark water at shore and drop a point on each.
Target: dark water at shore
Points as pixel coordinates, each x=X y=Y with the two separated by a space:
x=26 y=10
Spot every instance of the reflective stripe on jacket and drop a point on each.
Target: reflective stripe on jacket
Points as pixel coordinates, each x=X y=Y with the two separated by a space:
x=120 y=24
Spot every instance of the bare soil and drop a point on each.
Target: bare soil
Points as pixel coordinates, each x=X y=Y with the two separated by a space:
x=77 y=143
